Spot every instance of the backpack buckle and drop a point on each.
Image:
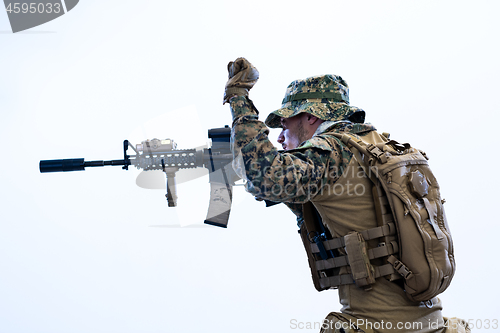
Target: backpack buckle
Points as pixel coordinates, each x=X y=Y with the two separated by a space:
x=400 y=268
x=377 y=152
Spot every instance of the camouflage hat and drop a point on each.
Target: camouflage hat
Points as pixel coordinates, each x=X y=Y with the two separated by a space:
x=326 y=97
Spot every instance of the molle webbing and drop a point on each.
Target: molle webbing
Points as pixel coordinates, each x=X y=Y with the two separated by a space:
x=357 y=258
x=369 y=234
x=342 y=279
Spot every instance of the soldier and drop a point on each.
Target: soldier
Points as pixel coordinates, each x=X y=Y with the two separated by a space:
x=316 y=175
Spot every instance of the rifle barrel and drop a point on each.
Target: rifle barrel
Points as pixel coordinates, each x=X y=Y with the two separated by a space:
x=75 y=164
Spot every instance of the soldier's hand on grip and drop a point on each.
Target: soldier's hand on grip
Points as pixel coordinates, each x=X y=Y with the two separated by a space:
x=242 y=77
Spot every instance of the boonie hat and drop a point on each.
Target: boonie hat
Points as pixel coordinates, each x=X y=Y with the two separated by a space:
x=325 y=96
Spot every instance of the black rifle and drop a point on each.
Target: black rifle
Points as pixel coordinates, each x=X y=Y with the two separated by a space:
x=162 y=155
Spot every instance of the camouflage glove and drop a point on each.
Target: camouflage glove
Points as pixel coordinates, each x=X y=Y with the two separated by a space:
x=242 y=77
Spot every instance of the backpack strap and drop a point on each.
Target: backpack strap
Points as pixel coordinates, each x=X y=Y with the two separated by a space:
x=383 y=209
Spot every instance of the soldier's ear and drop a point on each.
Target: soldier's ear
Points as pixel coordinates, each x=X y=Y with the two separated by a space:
x=312 y=119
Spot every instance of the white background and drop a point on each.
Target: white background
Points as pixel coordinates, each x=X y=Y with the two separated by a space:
x=92 y=252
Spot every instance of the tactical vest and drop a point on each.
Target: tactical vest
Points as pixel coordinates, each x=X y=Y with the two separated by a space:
x=383 y=218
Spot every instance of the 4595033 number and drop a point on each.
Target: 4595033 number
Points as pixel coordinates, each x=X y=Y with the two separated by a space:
x=33 y=8
x=483 y=324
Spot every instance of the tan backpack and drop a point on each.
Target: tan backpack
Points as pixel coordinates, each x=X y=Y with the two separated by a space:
x=413 y=231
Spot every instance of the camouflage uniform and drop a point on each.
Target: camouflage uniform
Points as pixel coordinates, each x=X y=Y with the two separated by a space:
x=300 y=175
x=294 y=176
